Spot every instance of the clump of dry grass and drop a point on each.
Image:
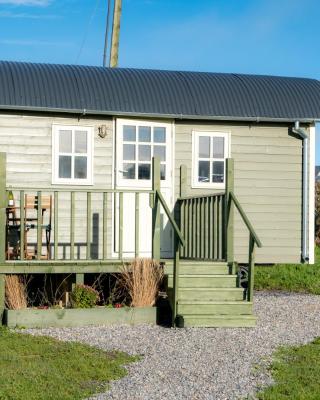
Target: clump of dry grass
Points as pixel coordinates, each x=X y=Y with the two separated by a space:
x=141 y=280
x=16 y=292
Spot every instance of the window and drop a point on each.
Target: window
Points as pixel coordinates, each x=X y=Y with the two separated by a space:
x=138 y=142
x=72 y=155
x=210 y=149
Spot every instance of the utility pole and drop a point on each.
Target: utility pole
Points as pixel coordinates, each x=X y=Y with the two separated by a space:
x=115 y=34
x=106 y=35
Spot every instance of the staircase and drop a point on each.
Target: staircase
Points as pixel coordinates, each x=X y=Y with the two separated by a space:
x=209 y=296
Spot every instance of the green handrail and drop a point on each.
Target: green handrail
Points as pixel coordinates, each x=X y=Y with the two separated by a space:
x=253 y=239
x=172 y=221
x=245 y=219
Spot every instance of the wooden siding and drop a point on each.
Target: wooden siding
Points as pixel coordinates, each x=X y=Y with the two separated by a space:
x=268 y=184
x=27 y=140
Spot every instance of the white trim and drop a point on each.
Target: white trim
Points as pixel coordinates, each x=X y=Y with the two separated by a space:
x=135 y=183
x=55 y=155
x=195 y=184
x=312 y=133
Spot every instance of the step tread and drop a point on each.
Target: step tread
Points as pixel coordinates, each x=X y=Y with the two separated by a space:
x=230 y=276
x=211 y=289
x=214 y=302
x=220 y=316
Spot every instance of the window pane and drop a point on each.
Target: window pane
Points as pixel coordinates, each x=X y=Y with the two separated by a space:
x=64 y=166
x=144 y=134
x=162 y=172
x=159 y=135
x=144 y=153
x=204 y=146
x=129 y=151
x=80 y=167
x=218 y=147
x=129 y=171
x=80 y=142
x=144 y=171
x=204 y=167
x=217 y=171
x=160 y=151
x=129 y=133
x=65 y=141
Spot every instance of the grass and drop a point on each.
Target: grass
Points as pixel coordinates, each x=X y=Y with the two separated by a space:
x=41 y=368
x=289 y=277
x=296 y=372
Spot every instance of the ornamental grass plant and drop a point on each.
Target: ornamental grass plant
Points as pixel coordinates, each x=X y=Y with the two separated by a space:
x=15 y=292
x=141 y=280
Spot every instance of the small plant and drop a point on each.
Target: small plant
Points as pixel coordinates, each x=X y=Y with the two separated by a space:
x=84 y=296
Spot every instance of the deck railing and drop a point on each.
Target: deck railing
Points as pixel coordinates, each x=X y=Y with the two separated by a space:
x=202 y=223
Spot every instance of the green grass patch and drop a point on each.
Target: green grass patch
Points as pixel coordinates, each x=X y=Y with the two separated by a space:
x=42 y=368
x=296 y=372
x=303 y=278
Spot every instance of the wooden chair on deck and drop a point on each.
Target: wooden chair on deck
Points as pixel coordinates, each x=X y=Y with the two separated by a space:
x=31 y=220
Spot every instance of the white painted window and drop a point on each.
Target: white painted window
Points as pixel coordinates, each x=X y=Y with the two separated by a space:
x=137 y=143
x=72 y=155
x=210 y=150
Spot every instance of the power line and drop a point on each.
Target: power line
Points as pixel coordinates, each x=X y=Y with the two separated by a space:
x=94 y=10
x=104 y=63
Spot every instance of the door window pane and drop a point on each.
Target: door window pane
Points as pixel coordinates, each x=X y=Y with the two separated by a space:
x=218 y=171
x=129 y=152
x=80 y=167
x=160 y=151
x=65 y=141
x=204 y=146
x=80 y=138
x=144 y=153
x=159 y=135
x=129 y=171
x=64 y=166
x=204 y=168
x=162 y=172
x=144 y=134
x=218 y=147
x=129 y=133
x=144 y=171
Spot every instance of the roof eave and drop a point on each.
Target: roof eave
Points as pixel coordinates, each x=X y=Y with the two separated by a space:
x=84 y=112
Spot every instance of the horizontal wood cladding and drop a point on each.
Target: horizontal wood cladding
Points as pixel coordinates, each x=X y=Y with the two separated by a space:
x=268 y=184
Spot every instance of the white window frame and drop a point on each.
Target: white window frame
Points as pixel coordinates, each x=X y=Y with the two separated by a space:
x=196 y=134
x=55 y=155
x=136 y=183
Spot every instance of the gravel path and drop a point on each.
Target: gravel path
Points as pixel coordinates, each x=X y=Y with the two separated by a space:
x=201 y=363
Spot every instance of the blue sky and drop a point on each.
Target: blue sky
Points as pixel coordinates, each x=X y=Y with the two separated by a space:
x=278 y=37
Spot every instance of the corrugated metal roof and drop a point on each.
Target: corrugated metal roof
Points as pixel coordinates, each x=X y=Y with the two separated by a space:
x=122 y=91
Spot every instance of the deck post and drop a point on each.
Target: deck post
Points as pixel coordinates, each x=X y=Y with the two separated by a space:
x=3 y=205
x=229 y=213
x=155 y=209
x=251 y=268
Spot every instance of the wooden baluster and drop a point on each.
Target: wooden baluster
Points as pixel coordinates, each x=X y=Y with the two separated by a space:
x=39 y=225
x=251 y=268
x=229 y=211
x=156 y=233
x=72 y=224
x=22 y=226
x=120 y=225
x=136 y=225
x=88 y=251
x=56 y=224
x=105 y=226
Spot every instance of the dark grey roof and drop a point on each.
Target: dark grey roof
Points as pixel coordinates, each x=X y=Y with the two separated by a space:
x=97 y=90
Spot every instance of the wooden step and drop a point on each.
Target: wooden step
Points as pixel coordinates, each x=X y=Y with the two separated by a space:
x=219 y=321
x=199 y=268
x=204 y=281
x=201 y=307
x=214 y=294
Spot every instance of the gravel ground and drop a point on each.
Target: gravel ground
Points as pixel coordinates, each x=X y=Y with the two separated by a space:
x=203 y=363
